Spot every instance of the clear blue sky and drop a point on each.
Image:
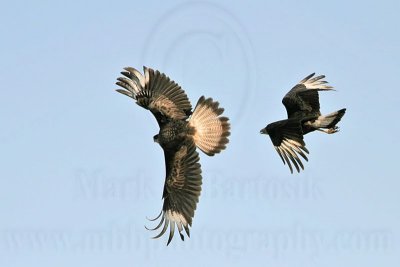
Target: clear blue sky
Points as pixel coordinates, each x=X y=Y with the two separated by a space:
x=80 y=172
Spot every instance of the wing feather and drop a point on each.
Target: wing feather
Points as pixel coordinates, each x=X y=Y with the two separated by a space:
x=293 y=156
x=303 y=99
x=181 y=190
x=156 y=92
x=287 y=138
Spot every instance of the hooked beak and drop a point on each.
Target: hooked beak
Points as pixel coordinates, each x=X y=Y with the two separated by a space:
x=263 y=131
x=155 y=138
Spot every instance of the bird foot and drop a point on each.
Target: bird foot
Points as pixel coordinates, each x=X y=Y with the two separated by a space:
x=330 y=130
x=333 y=130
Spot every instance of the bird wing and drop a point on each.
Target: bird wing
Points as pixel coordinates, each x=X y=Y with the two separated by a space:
x=181 y=189
x=303 y=98
x=156 y=92
x=287 y=138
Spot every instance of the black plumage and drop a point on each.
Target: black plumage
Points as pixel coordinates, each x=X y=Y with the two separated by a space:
x=304 y=116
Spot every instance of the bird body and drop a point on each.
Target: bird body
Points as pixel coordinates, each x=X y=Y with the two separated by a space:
x=181 y=131
x=304 y=116
x=173 y=133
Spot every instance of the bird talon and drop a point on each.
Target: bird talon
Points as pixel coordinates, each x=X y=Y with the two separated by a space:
x=333 y=130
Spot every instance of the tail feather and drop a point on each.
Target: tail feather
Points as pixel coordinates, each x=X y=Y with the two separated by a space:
x=211 y=130
x=330 y=120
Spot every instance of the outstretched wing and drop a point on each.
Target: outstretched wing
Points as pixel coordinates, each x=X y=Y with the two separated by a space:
x=287 y=138
x=181 y=189
x=303 y=100
x=156 y=92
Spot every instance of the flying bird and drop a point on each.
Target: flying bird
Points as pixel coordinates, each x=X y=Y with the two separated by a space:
x=304 y=116
x=181 y=131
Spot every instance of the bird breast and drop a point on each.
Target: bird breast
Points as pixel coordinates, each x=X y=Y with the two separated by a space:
x=172 y=133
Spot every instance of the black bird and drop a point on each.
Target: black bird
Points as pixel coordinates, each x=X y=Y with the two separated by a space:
x=302 y=106
x=181 y=131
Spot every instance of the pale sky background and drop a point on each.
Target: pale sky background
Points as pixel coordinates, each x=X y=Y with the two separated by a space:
x=80 y=172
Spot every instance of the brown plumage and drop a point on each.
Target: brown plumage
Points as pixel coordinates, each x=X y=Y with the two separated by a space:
x=180 y=133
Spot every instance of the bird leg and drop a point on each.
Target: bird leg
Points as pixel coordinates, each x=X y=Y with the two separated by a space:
x=330 y=130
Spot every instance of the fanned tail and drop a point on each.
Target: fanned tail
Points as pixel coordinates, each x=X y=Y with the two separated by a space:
x=211 y=130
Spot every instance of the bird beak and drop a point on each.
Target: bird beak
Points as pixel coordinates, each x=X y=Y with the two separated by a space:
x=263 y=131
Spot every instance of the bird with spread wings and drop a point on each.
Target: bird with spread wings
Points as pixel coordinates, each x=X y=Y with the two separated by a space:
x=181 y=131
x=304 y=116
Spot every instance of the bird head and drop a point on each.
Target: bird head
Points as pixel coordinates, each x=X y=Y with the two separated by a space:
x=264 y=131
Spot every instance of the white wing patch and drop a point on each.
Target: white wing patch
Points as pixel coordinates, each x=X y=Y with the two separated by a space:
x=316 y=82
x=171 y=218
x=289 y=150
